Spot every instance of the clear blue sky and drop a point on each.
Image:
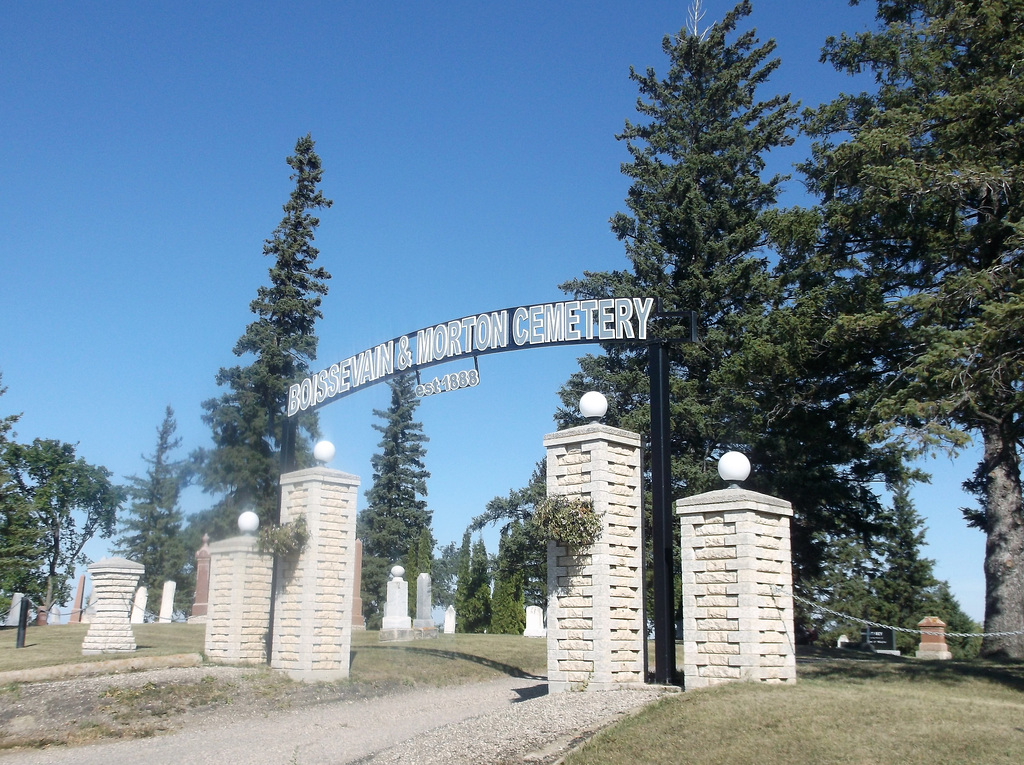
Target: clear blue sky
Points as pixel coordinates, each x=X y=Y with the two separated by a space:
x=468 y=147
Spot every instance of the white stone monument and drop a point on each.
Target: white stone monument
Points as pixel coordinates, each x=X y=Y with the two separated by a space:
x=424 y=622
x=139 y=606
x=396 y=624
x=535 y=622
x=15 y=613
x=449 y=620
x=167 y=601
x=114 y=581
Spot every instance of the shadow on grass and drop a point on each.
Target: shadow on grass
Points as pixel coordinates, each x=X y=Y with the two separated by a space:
x=849 y=665
x=497 y=666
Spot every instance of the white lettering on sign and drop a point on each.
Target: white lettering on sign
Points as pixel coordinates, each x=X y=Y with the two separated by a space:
x=570 y=321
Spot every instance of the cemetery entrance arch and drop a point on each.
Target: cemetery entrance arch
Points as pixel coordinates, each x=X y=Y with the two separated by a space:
x=541 y=325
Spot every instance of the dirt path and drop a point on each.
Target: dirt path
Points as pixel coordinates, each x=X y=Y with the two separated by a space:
x=338 y=732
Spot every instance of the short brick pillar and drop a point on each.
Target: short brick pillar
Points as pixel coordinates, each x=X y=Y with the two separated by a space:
x=737 y=588
x=238 y=616
x=113 y=581
x=595 y=596
x=315 y=589
x=933 y=639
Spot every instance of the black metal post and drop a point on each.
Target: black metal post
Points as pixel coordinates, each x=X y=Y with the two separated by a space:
x=661 y=512
x=19 y=639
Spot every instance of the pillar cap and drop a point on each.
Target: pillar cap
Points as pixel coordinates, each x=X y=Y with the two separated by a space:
x=733 y=499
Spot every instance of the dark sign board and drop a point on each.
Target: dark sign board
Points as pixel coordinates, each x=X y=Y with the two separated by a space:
x=879 y=638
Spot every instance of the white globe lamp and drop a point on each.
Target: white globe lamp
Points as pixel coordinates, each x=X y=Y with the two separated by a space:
x=734 y=467
x=248 y=522
x=593 y=405
x=323 y=452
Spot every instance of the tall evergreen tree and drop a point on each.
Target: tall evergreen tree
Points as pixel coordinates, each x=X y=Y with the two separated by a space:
x=396 y=515
x=444 y=572
x=475 y=615
x=463 y=582
x=419 y=560
x=508 y=604
x=151 y=530
x=247 y=421
x=921 y=220
x=701 y=216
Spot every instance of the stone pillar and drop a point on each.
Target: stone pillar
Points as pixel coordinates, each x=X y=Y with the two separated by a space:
x=75 y=616
x=167 y=601
x=114 y=581
x=139 y=605
x=313 y=601
x=239 y=609
x=358 y=620
x=933 y=639
x=201 y=595
x=595 y=627
x=737 y=588
x=424 y=603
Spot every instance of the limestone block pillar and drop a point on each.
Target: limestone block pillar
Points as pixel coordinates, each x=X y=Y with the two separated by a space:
x=737 y=588
x=239 y=602
x=314 y=598
x=595 y=626
x=113 y=581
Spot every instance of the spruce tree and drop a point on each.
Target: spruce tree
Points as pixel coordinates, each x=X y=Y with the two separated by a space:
x=247 y=422
x=463 y=582
x=702 y=217
x=508 y=604
x=476 y=613
x=920 y=206
x=395 y=517
x=151 y=530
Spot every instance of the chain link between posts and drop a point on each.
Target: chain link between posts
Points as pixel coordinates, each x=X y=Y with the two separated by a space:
x=818 y=607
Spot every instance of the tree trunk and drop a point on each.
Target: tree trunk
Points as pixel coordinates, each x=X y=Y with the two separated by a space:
x=1004 y=547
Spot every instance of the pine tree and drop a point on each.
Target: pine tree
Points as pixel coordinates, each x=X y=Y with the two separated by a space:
x=419 y=559
x=151 y=531
x=475 y=615
x=921 y=205
x=249 y=429
x=463 y=582
x=701 y=216
x=395 y=517
x=508 y=605
x=444 y=572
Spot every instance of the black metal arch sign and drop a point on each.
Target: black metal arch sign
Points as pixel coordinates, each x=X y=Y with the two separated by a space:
x=542 y=325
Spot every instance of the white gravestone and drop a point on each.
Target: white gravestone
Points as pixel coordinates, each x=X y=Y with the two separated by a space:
x=139 y=605
x=449 y=621
x=535 y=622
x=54 y=616
x=15 y=613
x=424 y=596
x=167 y=602
x=396 y=610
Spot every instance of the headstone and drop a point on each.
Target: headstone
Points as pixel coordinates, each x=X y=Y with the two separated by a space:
x=358 y=621
x=879 y=640
x=449 y=620
x=139 y=605
x=842 y=641
x=201 y=595
x=76 y=612
x=424 y=603
x=535 y=622
x=167 y=602
x=396 y=610
x=12 y=615
x=53 y=617
x=114 y=581
x=90 y=608
x=933 y=639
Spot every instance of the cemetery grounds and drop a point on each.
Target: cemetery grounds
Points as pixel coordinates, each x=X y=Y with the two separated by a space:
x=847 y=706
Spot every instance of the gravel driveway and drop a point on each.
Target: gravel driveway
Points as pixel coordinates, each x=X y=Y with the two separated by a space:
x=509 y=720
